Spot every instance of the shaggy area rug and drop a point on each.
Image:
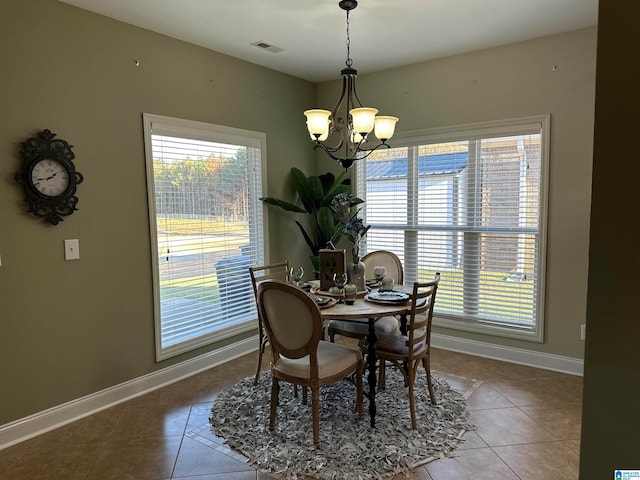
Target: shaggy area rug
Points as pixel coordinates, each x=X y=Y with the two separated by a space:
x=350 y=448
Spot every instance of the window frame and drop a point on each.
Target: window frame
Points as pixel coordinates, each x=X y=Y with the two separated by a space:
x=478 y=131
x=219 y=134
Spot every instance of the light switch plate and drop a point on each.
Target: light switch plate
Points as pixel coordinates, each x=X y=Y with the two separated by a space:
x=72 y=249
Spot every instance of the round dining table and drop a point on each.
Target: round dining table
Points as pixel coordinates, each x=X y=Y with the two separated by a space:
x=364 y=310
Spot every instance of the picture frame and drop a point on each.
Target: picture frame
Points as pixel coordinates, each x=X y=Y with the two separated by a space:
x=331 y=262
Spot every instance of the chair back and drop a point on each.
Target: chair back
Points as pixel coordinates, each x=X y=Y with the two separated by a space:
x=386 y=259
x=278 y=271
x=292 y=320
x=423 y=302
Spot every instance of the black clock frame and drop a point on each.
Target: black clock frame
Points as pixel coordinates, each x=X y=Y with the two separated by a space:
x=41 y=147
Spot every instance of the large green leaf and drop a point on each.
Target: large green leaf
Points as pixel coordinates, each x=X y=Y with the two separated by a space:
x=316 y=194
x=338 y=186
x=290 y=207
x=300 y=184
x=314 y=248
x=326 y=227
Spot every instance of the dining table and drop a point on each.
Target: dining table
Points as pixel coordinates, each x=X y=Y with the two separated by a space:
x=365 y=310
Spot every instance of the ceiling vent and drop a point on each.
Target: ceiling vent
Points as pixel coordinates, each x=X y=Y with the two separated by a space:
x=265 y=46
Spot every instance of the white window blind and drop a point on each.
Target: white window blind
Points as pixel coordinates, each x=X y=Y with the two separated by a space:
x=469 y=203
x=204 y=184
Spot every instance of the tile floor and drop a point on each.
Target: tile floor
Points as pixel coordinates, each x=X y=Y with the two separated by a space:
x=528 y=427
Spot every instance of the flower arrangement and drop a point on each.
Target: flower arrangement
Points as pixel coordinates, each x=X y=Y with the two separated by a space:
x=345 y=207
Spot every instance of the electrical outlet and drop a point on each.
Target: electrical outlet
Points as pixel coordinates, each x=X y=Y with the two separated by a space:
x=583 y=331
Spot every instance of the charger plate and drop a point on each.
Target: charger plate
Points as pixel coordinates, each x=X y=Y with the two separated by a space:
x=387 y=298
x=324 y=302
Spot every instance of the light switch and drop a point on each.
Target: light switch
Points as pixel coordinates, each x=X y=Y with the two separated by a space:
x=72 y=249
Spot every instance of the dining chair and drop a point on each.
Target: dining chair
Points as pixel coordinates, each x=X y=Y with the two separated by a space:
x=406 y=352
x=294 y=325
x=277 y=271
x=359 y=330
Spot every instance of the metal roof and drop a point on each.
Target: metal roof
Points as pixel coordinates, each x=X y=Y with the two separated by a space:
x=438 y=164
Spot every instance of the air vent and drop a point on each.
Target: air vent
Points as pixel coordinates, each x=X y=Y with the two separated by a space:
x=267 y=47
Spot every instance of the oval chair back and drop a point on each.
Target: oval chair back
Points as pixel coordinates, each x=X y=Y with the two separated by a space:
x=386 y=259
x=292 y=320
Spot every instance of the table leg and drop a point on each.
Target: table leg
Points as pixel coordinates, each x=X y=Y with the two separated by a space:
x=403 y=324
x=371 y=360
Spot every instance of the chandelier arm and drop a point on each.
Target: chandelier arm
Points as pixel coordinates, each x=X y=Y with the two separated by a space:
x=355 y=93
x=328 y=149
x=334 y=112
x=350 y=159
x=382 y=144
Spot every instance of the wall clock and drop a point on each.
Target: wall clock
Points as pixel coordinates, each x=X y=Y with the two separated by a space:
x=49 y=177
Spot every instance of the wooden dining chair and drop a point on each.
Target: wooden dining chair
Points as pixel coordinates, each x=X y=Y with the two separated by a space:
x=294 y=325
x=406 y=352
x=359 y=330
x=277 y=271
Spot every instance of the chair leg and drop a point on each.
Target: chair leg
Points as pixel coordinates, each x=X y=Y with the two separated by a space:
x=426 y=362
x=315 y=414
x=275 y=390
x=304 y=395
x=412 y=400
x=382 y=381
x=261 y=348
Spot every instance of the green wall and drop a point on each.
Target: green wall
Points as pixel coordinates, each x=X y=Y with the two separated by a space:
x=71 y=328
x=552 y=75
x=611 y=417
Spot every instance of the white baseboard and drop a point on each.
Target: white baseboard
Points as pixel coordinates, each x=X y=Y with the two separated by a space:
x=547 y=361
x=41 y=422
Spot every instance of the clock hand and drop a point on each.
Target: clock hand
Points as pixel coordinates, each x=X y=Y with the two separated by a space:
x=49 y=178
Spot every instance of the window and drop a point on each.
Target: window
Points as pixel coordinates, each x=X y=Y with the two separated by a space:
x=468 y=202
x=204 y=185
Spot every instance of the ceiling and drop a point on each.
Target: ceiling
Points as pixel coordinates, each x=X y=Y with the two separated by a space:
x=311 y=34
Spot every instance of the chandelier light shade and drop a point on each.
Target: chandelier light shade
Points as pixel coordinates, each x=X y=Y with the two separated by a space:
x=343 y=132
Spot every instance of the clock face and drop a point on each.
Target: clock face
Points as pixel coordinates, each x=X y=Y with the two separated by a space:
x=50 y=177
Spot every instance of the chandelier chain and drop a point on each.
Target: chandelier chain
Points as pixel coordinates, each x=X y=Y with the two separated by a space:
x=349 y=131
x=349 y=62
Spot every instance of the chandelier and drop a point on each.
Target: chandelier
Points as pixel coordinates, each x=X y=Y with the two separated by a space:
x=350 y=134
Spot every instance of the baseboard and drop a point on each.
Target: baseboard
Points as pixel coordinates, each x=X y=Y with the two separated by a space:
x=41 y=422
x=547 y=361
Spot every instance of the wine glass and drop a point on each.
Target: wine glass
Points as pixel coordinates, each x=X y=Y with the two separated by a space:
x=379 y=272
x=340 y=279
x=296 y=275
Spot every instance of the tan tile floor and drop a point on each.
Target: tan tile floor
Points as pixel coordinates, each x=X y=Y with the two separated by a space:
x=528 y=427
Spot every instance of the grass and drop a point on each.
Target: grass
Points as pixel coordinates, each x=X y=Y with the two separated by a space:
x=200 y=226
x=516 y=300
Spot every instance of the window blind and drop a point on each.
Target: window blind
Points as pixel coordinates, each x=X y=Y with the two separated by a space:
x=207 y=228
x=469 y=205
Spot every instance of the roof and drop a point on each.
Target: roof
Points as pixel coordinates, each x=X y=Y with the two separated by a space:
x=438 y=164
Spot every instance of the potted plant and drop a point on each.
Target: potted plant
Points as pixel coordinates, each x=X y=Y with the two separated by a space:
x=315 y=193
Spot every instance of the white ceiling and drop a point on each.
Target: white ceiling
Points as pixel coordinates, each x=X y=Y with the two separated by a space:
x=384 y=33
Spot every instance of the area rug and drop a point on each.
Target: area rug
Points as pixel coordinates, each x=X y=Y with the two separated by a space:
x=350 y=448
